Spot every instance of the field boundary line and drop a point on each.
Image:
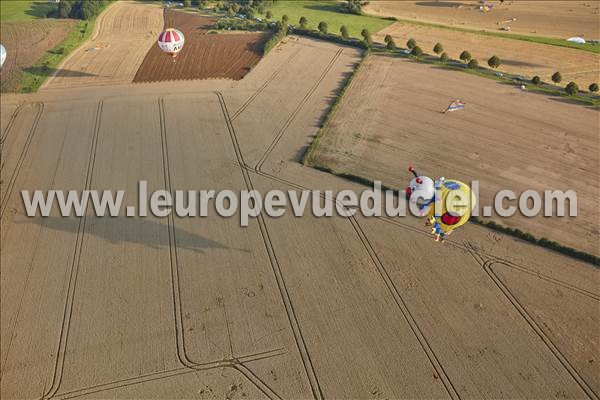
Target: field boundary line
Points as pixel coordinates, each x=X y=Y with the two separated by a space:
x=285 y=296
x=297 y=110
x=75 y=263
x=487 y=266
x=232 y=362
x=21 y=159
x=264 y=85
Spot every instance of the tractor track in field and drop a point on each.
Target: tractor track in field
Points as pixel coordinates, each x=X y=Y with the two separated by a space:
x=74 y=270
x=297 y=110
x=487 y=265
x=262 y=87
x=283 y=290
x=234 y=362
x=15 y=174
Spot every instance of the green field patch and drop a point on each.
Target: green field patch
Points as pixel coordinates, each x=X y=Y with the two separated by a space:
x=331 y=12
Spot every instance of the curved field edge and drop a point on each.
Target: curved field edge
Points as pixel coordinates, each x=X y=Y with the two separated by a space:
x=46 y=66
x=311 y=159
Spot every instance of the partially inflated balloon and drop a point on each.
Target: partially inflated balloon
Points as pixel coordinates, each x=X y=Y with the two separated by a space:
x=2 y=55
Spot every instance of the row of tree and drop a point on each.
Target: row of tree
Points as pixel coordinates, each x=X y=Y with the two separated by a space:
x=494 y=61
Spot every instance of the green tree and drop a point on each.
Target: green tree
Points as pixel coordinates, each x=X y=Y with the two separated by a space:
x=303 y=22
x=285 y=19
x=593 y=87
x=494 y=62
x=323 y=27
x=367 y=37
x=230 y=11
x=269 y=15
x=438 y=48
x=64 y=9
x=465 y=56
x=416 y=51
x=473 y=64
x=187 y=3
x=411 y=43
x=572 y=89
x=261 y=9
x=536 y=80
x=391 y=45
x=388 y=38
x=556 y=77
x=444 y=57
x=344 y=32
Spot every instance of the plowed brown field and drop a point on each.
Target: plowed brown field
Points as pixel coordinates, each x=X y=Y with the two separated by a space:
x=204 y=55
x=25 y=42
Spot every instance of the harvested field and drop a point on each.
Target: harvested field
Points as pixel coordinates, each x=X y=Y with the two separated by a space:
x=179 y=308
x=25 y=42
x=518 y=57
x=506 y=139
x=559 y=19
x=204 y=55
x=124 y=33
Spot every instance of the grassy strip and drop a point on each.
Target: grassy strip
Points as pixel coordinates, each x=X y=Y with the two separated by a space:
x=33 y=77
x=543 y=242
x=330 y=37
x=274 y=40
x=591 y=47
x=309 y=158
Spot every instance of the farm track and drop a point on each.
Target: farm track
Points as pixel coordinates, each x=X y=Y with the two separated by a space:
x=264 y=85
x=297 y=110
x=487 y=266
x=300 y=342
x=74 y=270
x=23 y=154
x=10 y=123
x=233 y=362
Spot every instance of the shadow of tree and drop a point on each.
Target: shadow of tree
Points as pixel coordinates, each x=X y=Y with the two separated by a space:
x=40 y=9
x=46 y=71
x=442 y=4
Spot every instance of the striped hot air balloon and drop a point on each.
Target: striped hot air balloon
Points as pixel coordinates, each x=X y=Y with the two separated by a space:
x=171 y=41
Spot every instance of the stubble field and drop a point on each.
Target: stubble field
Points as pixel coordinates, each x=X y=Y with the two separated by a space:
x=123 y=36
x=560 y=19
x=517 y=56
x=505 y=138
x=286 y=308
